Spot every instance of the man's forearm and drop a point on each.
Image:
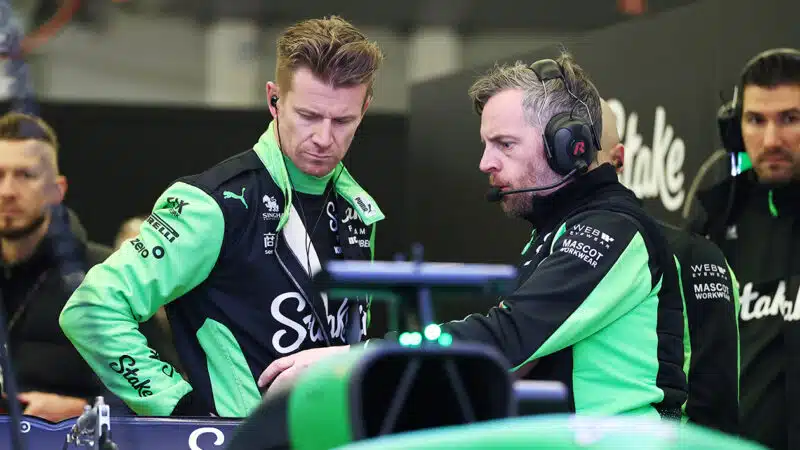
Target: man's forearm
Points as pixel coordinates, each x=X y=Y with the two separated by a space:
x=117 y=352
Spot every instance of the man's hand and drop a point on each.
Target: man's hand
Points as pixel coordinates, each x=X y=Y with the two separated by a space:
x=283 y=371
x=52 y=407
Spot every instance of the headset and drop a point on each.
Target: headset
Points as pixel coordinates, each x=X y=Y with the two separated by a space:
x=729 y=122
x=729 y=115
x=569 y=141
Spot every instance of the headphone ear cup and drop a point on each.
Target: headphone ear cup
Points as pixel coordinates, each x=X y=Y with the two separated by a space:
x=567 y=141
x=730 y=127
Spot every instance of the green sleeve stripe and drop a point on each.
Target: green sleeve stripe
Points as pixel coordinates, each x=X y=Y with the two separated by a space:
x=175 y=251
x=687 y=341
x=372 y=242
x=530 y=241
x=561 y=230
x=372 y=258
x=235 y=391
x=618 y=292
x=737 y=307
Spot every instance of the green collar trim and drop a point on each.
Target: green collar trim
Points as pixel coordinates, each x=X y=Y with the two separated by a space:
x=279 y=168
x=773 y=210
x=305 y=183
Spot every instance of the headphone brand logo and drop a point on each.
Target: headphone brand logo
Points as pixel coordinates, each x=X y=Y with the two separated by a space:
x=579 y=149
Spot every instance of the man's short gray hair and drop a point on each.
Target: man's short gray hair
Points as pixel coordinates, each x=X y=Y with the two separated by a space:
x=550 y=101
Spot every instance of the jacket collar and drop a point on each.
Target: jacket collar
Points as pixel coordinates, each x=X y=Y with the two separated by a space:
x=272 y=157
x=602 y=182
x=775 y=199
x=781 y=199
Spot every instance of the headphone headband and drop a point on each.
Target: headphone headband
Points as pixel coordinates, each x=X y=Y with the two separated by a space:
x=569 y=141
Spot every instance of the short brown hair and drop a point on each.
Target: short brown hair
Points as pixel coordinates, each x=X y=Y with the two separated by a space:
x=16 y=126
x=332 y=48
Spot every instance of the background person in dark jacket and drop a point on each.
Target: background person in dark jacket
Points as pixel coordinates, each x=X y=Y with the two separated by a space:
x=754 y=218
x=711 y=303
x=44 y=252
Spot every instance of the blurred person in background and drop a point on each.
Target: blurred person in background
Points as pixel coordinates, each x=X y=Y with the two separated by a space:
x=128 y=230
x=230 y=252
x=45 y=254
x=754 y=217
x=711 y=305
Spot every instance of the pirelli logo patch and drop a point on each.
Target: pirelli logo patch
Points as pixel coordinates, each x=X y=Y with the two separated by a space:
x=162 y=227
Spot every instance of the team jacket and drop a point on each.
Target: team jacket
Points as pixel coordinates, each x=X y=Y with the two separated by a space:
x=597 y=306
x=226 y=252
x=758 y=229
x=711 y=338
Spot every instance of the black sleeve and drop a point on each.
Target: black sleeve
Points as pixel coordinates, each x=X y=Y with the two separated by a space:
x=597 y=271
x=697 y=222
x=711 y=295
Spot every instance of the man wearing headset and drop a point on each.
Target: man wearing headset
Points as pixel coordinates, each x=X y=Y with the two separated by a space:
x=230 y=252
x=754 y=218
x=597 y=305
x=711 y=303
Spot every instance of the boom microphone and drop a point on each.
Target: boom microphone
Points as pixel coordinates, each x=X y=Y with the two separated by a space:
x=495 y=194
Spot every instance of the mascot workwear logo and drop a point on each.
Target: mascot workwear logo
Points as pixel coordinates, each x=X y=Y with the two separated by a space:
x=657 y=171
x=757 y=303
x=710 y=282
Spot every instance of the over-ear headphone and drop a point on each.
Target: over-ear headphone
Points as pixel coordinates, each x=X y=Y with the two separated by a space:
x=729 y=115
x=568 y=140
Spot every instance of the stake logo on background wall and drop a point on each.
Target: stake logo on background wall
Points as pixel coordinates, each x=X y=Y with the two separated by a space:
x=654 y=171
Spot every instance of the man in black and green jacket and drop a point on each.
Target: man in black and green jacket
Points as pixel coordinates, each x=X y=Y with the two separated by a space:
x=598 y=304
x=711 y=302
x=231 y=251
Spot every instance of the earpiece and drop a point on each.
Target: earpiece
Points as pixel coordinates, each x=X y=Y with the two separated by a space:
x=569 y=141
x=274 y=101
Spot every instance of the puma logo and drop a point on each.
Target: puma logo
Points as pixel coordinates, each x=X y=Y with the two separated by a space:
x=229 y=194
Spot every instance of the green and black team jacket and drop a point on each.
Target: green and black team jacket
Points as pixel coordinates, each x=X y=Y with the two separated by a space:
x=757 y=227
x=228 y=253
x=598 y=305
x=711 y=338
